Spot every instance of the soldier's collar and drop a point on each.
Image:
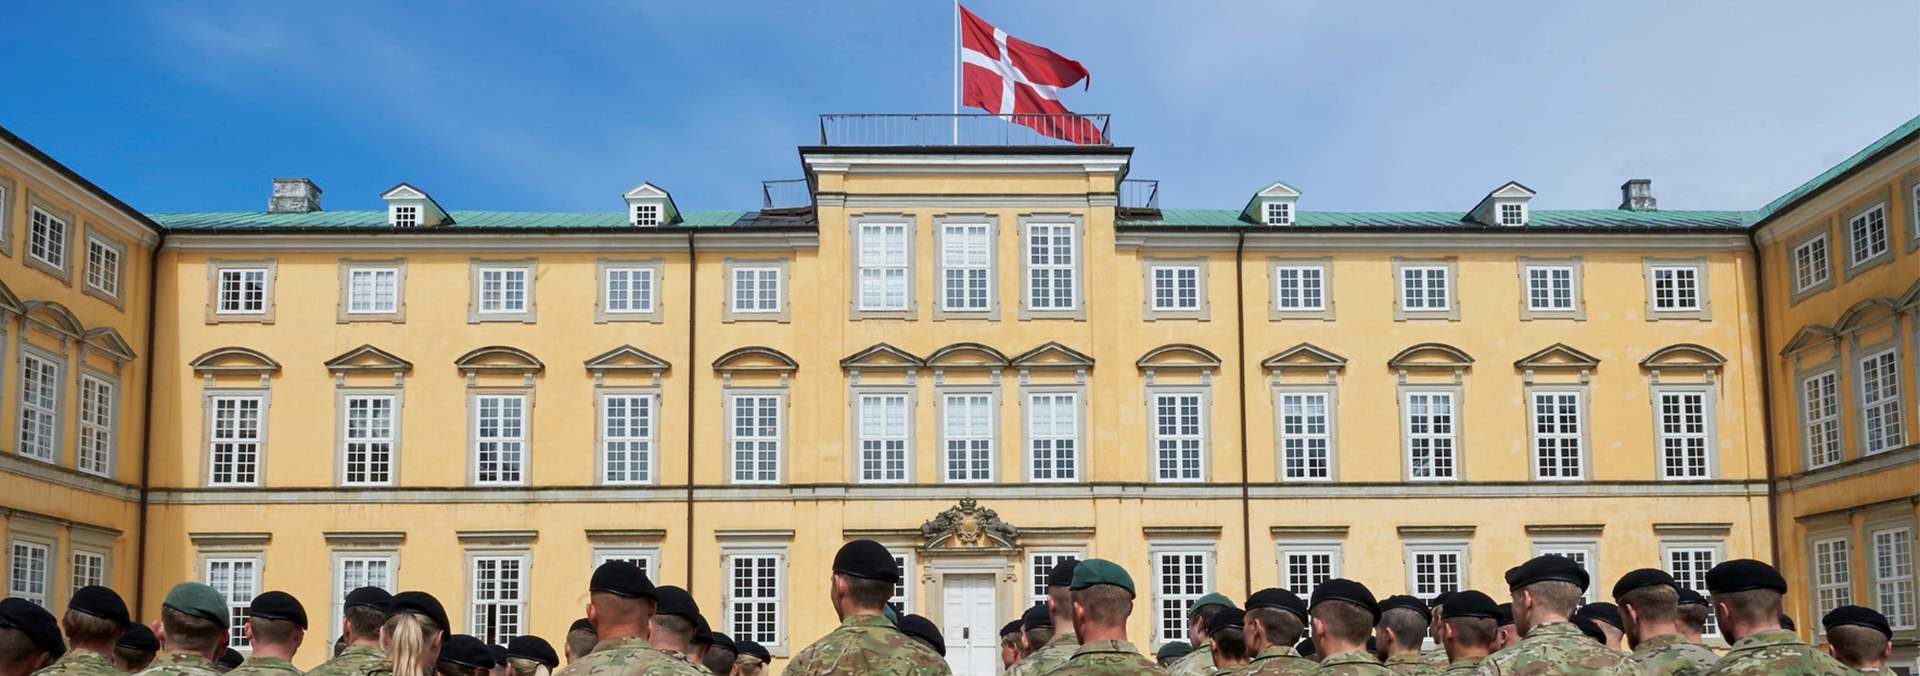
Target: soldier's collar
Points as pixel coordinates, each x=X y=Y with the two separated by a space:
x=866 y=621
x=1349 y=657
x=626 y=642
x=1110 y=646
x=184 y=658
x=1273 y=651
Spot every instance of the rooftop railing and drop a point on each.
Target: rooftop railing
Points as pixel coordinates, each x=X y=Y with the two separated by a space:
x=1139 y=194
x=785 y=194
x=963 y=129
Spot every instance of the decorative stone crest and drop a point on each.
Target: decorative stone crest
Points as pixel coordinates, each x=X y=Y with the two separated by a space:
x=968 y=525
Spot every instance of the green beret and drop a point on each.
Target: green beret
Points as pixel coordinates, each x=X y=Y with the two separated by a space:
x=1213 y=599
x=893 y=616
x=200 y=601
x=1173 y=650
x=1101 y=571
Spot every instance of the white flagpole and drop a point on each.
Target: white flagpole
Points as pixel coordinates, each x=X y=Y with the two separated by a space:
x=956 y=72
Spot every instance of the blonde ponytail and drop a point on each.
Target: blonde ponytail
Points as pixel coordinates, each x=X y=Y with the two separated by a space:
x=748 y=665
x=526 y=667
x=412 y=643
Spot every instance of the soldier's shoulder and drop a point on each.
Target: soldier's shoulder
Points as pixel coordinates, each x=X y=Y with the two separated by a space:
x=1797 y=658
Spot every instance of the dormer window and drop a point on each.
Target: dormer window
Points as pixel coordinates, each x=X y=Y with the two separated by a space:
x=1279 y=213
x=406 y=216
x=411 y=207
x=1513 y=214
x=1273 y=205
x=646 y=215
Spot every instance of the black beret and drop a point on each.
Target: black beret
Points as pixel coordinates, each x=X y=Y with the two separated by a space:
x=1035 y=617
x=702 y=632
x=1010 y=628
x=1277 y=598
x=1547 y=567
x=582 y=624
x=754 y=649
x=1305 y=648
x=723 y=642
x=1638 y=579
x=621 y=578
x=139 y=639
x=1689 y=597
x=369 y=597
x=100 y=602
x=230 y=659
x=1230 y=618
x=1405 y=602
x=1741 y=575
x=1061 y=574
x=1858 y=617
x=1506 y=614
x=676 y=601
x=422 y=603
x=1342 y=589
x=923 y=629
x=866 y=559
x=1440 y=599
x=1470 y=603
x=533 y=648
x=1602 y=612
x=35 y=622
x=499 y=655
x=278 y=605
x=1786 y=622
x=466 y=651
x=1588 y=627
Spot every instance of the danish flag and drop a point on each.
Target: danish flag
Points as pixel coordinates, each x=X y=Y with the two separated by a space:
x=1020 y=81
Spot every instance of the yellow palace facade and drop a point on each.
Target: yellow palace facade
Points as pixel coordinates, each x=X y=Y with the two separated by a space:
x=985 y=356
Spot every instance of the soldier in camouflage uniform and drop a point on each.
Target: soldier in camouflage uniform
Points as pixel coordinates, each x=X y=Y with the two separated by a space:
x=135 y=649
x=1058 y=613
x=1650 y=611
x=1227 y=631
x=361 y=615
x=1437 y=655
x=193 y=628
x=1747 y=598
x=1274 y=619
x=464 y=655
x=676 y=619
x=1102 y=599
x=276 y=625
x=95 y=619
x=865 y=642
x=1860 y=638
x=1342 y=614
x=622 y=603
x=1545 y=590
x=1401 y=629
x=1466 y=627
x=1200 y=661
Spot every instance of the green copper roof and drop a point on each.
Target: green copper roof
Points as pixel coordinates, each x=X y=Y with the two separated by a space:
x=1900 y=133
x=524 y=220
x=1537 y=219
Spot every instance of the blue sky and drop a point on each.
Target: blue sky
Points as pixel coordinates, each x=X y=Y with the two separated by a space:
x=562 y=106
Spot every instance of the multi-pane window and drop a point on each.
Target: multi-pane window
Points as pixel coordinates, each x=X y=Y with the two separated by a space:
x=39 y=407
x=96 y=426
x=643 y=560
x=28 y=576
x=1430 y=435
x=1050 y=267
x=235 y=438
x=1180 y=578
x=883 y=266
x=1436 y=571
x=1810 y=263
x=368 y=435
x=646 y=214
x=373 y=290
x=503 y=290
x=499 y=438
x=1676 y=287
x=1299 y=287
x=1689 y=566
x=883 y=438
x=626 y=438
x=756 y=290
x=1053 y=435
x=629 y=290
x=1303 y=569
x=1513 y=214
x=354 y=572
x=1549 y=288
x=1176 y=287
x=1820 y=399
x=47 y=239
x=103 y=267
x=1868 y=234
x=966 y=260
x=1582 y=555
x=1423 y=288
x=1880 y=402
x=238 y=581
x=967 y=436
x=1179 y=436
x=1556 y=435
x=1893 y=575
x=406 y=216
x=1305 y=436
x=1832 y=579
x=1039 y=564
x=753 y=598
x=89 y=568
x=1684 y=439
x=756 y=438
x=499 y=605
x=900 y=601
x=1279 y=213
x=242 y=291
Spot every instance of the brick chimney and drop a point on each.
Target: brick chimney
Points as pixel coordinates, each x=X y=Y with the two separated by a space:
x=1637 y=195
x=293 y=196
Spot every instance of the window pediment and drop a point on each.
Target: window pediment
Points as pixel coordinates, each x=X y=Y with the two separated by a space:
x=1558 y=355
x=1178 y=356
x=499 y=359
x=967 y=355
x=881 y=356
x=755 y=360
x=1811 y=335
x=8 y=301
x=1053 y=355
x=1683 y=356
x=1431 y=355
x=1304 y=356
x=53 y=317
x=234 y=360
x=627 y=359
x=1865 y=314
x=107 y=341
x=368 y=359
x=1909 y=301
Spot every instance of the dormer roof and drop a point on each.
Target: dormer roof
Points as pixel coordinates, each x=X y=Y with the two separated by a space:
x=648 y=193
x=1276 y=191
x=1486 y=212
x=405 y=193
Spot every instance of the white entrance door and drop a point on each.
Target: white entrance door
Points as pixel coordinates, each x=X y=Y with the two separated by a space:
x=971 y=632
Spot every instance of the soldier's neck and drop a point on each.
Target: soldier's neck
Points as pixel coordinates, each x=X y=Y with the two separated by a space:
x=1095 y=633
x=104 y=648
x=1648 y=630
x=1456 y=652
x=369 y=642
x=664 y=641
x=208 y=653
x=284 y=652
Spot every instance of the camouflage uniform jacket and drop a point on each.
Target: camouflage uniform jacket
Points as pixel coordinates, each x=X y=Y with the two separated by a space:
x=1437 y=658
x=1196 y=663
x=1100 y=658
x=1556 y=648
x=264 y=666
x=180 y=664
x=1776 y=652
x=1411 y=665
x=1352 y=663
x=1049 y=657
x=1278 y=660
x=356 y=660
x=80 y=662
x=1464 y=666
x=1673 y=654
x=628 y=656
x=675 y=654
x=867 y=644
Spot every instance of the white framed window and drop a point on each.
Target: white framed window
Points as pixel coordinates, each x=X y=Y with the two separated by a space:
x=1585 y=554
x=98 y=405
x=1881 y=427
x=1430 y=430
x=1039 y=564
x=1684 y=417
x=1179 y=436
x=755 y=592
x=1513 y=214
x=235 y=440
x=40 y=407
x=966 y=267
x=103 y=267
x=47 y=238
x=1305 y=566
x=1052 y=263
x=757 y=424
x=1279 y=213
x=1306 y=436
x=1893 y=591
x=27 y=577
x=242 y=291
x=1436 y=569
x=902 y=597
x=1176 y=287
x=1053 y=435
x=1810 y=263
x=966 y=436
x=1299 y=288
x=884 y=419
x=497 y=610
x=1558 y=435
x=89 y=569
x=373 y=290
x=1550 y=288
x=1180 y=577
x=1832 y=579
x=503 y=290
x=238 y=581
x=629 y=290
x=756 y=290
x=1676 y=288
x=883 y=266
x=647 y=559
x=1820 y=413
x=646 y=215
x=368 y=429
x=626 y=438
x=1424 y=288
x=499 y=438
x=1867 y=234
x=406 y=216
x=354 y=571
x=1688 y=564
